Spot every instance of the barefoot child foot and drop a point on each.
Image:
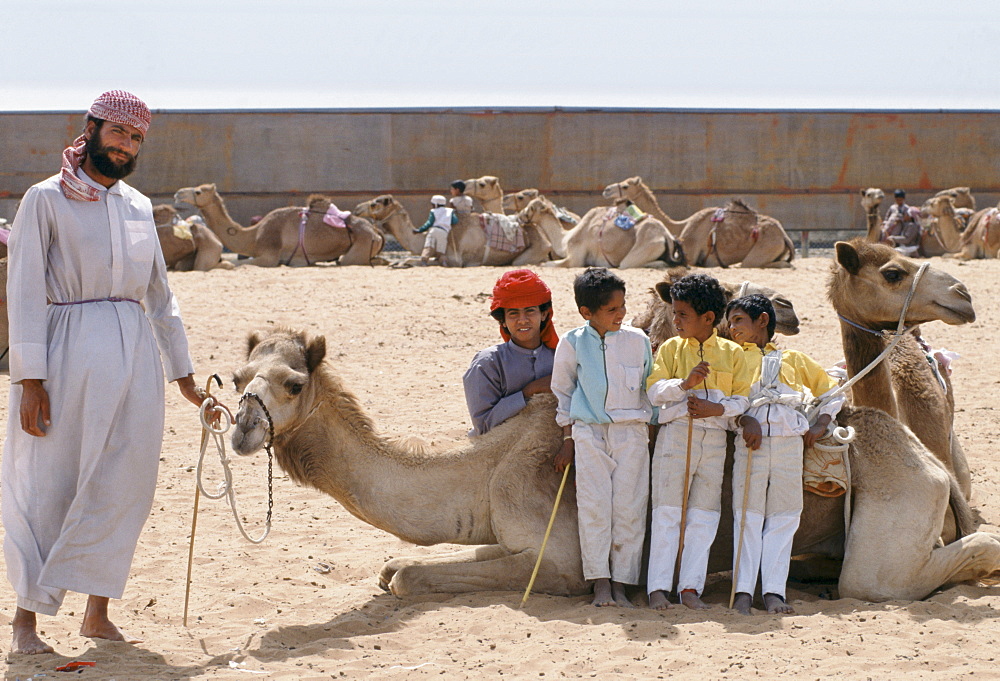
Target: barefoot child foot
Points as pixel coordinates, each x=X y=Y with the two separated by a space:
x=25 y=638
x=689 y=597
x=776 y=605
x=658 y=600
x=621 y=598
x=602 y=593
x=742 y=603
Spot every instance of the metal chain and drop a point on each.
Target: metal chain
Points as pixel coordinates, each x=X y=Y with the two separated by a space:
x=267 y=448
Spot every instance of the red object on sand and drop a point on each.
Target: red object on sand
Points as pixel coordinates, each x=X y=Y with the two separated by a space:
x=75 y=665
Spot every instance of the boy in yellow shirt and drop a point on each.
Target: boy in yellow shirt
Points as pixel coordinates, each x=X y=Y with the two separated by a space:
x=777 y=432
x=699 y=381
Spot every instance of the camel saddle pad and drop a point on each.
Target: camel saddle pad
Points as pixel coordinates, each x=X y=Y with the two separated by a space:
x=182 y=230
x=503 y=232
x=823 y=472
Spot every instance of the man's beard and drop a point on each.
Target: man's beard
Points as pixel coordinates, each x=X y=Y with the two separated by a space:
x=101 y=158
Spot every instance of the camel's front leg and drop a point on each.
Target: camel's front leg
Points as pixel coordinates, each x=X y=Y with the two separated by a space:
x=766 y=254
x=650 y=245
x=478 y=553
x=208 y=253
x=365 y=247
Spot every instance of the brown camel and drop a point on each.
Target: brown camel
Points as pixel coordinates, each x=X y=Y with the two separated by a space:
x=281 y=238
x=496 y=492
x=488 y=191
x=870 y=200
x=187 y=245
x=940 y=226
x=981 y=239
x=657 y=319
x=867 y=289
x=467 y=242
x=716 y=237
x=517 y=201
x=597 y=241
x=961 y=196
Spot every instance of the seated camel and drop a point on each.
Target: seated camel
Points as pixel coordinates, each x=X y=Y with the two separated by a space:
x=941 y=226
x=468 y=242
x=293 y=236
x=518 y=201
x=716 y=237
x=961 y=196
x=981 y=239
x=497 y=491
x=187 y=245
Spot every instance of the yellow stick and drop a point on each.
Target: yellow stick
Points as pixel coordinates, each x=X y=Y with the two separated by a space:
x=194 y=514
x=684 y=499
x=545 y=540
x=743 y=525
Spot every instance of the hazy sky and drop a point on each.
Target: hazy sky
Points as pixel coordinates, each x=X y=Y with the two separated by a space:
x=210 y=54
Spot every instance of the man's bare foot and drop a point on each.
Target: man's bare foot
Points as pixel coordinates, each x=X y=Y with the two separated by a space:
x=618 y=593
x=742 y=603
x=97 y=625
x=776 y=605
x=602 y=593
x=25 y=640
x=658 y=600
x=689 y=597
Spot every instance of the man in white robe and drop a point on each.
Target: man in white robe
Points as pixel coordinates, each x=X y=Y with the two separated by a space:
x=86 y=406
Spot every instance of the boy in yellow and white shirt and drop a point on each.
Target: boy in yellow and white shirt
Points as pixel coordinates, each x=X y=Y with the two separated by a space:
x=699 y=378
x=778 y=432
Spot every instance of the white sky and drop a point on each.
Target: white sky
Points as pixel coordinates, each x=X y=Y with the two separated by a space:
x=212 y=54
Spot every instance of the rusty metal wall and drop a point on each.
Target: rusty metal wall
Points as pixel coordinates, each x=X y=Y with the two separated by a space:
x=803 y=167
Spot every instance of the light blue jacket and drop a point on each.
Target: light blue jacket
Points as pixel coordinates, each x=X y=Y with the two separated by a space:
x=602 y=380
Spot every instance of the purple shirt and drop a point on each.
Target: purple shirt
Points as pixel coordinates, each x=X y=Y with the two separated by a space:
x=495 y=379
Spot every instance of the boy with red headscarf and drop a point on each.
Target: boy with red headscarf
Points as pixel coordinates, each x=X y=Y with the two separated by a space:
x=502 y=377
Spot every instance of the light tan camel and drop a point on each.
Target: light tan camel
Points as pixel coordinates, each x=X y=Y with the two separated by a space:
x=870 y=200
x=516 y=202
x=657 y=319
x=497 y=491
x=201 y=252
x=867 y=289
x=488 y=191
x=278 y=239
x=981 y=239
x=467 y=242
x=741 y=235
x=962 y=197
x=597 y=241
x=940 y=227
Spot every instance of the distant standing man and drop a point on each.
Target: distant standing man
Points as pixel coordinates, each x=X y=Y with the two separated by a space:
x=89 y=303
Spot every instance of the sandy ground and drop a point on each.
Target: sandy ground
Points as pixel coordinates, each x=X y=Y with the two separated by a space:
x=306 y=605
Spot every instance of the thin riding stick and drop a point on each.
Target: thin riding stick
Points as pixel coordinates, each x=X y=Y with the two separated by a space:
x=545 y=540
x=743 y=525
x=684 y=499
x=194 y=514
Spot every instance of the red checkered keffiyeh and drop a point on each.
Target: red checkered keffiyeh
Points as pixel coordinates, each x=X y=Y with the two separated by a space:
x=116 y=106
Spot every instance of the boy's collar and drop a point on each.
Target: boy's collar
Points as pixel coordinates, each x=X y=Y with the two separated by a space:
x=768 y=347
x=606 y=333
x=711 y=340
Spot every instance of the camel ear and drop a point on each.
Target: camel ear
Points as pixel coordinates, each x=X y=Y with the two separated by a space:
x=253 y=340
x=663 y=290
x=848 y=257
x=315 y=352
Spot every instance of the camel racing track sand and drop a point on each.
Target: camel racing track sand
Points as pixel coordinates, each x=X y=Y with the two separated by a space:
x=306 y=603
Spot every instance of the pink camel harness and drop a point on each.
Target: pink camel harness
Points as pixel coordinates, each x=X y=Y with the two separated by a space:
x=333 y=216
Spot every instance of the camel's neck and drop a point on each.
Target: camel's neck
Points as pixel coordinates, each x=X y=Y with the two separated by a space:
x=422 y=500
x=951 y=237
x=874 y=225
x=875 y=388
x=647 y=203
x=401 y=226
x=551 y=227
x=233 y=236
x=493 y=205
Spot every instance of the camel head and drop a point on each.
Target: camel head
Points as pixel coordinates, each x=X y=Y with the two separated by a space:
x=541 y=213
x=869 y=284
x=484 y=188
x=936 y=207
x=378 y=209
x=517 y=201
x=199 y=196
x=626 y=189
x=961 y=196
x=871 y=198
x=280 y=369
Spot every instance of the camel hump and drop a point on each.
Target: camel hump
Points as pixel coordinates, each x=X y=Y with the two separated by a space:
x=318 y=203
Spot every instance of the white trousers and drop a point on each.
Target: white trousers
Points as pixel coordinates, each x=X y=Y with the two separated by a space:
x=708 y=458
x=774 y=505
x=612 y=490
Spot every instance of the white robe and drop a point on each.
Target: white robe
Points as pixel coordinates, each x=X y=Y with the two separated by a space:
x=74 y=501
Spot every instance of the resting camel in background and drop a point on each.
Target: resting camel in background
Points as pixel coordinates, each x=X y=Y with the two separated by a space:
x=187 y=245
x=281 y=237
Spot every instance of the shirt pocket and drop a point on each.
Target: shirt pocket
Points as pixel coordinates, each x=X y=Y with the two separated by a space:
x=721 y=380
x=141 y=241
x=626 y=392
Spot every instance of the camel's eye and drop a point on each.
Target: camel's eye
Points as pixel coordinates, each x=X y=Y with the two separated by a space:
x=894 y=276
x=294 y=388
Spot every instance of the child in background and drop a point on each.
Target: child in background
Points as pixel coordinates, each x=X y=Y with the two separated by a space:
x=459 y=201
x=702 y=379
x=777 y=433
x=439 y=223
x=598 y=376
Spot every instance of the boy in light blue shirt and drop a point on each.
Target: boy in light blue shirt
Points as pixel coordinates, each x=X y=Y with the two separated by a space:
x=598 y=376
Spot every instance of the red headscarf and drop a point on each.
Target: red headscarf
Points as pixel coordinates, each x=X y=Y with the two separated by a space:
x=116 y=106
x=523 y=288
